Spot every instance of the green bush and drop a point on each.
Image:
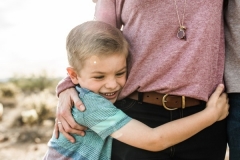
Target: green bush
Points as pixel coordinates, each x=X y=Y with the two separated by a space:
x=8 y=90
x=43 y=104
x=34 y=94
x=35 y=83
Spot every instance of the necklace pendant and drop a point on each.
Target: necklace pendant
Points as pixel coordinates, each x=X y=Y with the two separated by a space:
x=181 y=32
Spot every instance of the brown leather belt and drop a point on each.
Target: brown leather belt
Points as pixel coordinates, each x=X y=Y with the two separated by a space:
x=170 y=102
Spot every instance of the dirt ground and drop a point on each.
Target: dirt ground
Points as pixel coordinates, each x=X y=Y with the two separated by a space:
x=23 y=142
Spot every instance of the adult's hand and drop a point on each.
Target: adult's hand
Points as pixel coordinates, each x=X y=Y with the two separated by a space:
x=64 y=122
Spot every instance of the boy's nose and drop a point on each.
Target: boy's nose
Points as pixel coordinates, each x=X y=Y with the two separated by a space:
x=111 y=84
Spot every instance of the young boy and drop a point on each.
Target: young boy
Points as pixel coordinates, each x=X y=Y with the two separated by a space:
x=97 y=55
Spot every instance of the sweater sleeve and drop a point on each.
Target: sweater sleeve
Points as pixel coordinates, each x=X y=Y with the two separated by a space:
x=64 y=84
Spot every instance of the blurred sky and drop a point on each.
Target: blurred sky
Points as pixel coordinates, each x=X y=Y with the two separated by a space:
x=33 y=33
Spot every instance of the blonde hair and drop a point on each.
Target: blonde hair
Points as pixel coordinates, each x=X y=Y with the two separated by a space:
x=93 y=38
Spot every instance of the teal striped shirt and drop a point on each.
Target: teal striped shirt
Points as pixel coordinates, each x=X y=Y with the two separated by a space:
x=102 y=118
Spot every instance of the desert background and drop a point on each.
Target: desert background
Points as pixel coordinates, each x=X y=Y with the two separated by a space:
x=32 y=61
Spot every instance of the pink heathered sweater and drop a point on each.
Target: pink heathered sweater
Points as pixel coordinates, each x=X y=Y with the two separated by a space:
x=158 y=60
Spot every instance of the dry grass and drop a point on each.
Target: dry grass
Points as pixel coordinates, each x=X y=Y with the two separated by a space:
x=27 y=112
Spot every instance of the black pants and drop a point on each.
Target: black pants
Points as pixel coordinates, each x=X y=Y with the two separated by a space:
x=209 y=144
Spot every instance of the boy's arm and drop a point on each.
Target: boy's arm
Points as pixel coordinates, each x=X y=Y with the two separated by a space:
x=139 y=135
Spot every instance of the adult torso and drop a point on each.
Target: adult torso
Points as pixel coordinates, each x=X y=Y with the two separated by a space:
x=161 y=62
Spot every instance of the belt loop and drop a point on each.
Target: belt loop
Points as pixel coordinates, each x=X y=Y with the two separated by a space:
x=140 y=97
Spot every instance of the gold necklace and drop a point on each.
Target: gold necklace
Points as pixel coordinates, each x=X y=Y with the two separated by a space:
x=181 y=34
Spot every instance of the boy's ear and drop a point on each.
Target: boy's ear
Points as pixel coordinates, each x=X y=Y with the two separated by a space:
x=72 y=74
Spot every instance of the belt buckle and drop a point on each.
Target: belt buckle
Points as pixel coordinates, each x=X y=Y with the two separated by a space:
x=170 y=109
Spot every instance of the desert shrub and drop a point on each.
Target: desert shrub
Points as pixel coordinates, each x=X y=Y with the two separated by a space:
x=8 y=94
x=43 y=103
x=35 y=83
x=8 y=90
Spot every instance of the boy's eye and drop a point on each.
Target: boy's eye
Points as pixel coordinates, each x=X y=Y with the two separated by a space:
x=99 y=77
x=121 y=73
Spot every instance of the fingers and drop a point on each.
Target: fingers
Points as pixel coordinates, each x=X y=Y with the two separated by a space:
x=66 y=135
x=64 y=115
x=226 y=112
x=219 y=90
x=69 y=125
x=217 y=93
x=77 y=102
x=56 y=129
x=65 y=129
x=223 y=99
x=59 y=128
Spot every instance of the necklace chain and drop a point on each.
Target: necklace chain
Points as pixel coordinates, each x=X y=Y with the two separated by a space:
x=182 y=28
x=183 y=16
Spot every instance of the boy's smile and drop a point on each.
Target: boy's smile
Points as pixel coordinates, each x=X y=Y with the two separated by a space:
x=104 y=75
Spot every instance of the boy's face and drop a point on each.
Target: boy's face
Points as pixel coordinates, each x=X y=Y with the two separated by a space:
x=104 y=75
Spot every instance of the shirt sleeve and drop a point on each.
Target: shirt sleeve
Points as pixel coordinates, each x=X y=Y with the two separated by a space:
x=101 y=115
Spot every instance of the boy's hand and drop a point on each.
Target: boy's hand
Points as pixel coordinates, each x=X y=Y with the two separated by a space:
x=219 y=103
x=64 y=121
